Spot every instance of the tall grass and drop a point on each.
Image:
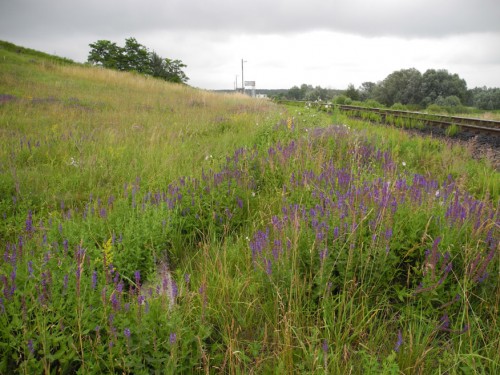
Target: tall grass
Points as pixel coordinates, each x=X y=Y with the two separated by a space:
x=154 y=228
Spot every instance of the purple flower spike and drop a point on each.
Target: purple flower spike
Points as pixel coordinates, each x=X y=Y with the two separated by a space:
x=399 y=342
x=173 y=338
x=29 y=222
x=30 y=268
x=30 y=346
x=94 y=279
x=126 y=333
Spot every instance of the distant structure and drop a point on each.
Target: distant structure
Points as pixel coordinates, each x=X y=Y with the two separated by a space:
x=250 y=84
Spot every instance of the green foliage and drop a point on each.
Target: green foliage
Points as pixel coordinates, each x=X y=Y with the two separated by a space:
x=135 y=57
x=485 y=98
x=342 y=99
x=178 y=231
x=440 y=83
x=452 y=130
x=398 y=107
x=308 y=92
x=403 y=86
x=351 y=92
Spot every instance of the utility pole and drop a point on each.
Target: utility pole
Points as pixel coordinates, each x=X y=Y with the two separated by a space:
x=242 y=77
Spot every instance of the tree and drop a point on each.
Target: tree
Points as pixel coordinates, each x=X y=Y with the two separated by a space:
x=174 y=72
x=351 y=92
x=440 y=83
x=367 y=90
x=402 y=86
x=106 y=54
x=136 y=57
x=485 y=98
x=295 y=93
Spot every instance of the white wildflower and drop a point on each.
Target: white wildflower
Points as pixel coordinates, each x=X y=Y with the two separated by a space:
x=73 y=162
x=404 y=164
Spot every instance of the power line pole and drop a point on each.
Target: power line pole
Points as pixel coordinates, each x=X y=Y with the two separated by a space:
x=242 y=78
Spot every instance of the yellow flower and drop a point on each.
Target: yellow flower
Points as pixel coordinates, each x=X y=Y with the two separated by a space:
x=107 y=252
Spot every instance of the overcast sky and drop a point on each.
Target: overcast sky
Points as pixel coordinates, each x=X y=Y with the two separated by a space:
x=330 y=43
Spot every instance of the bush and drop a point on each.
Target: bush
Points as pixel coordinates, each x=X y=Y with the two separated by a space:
x=398 y=107
x=342 y=99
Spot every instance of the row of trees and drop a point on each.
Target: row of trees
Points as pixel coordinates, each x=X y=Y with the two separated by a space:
x=439 y=87
x=136 y=57
x=308 y=92
x=411 y=88
x=486 y=98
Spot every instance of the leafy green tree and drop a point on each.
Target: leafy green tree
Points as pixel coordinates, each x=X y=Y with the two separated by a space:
x=174 y=72
x=351 y=92
x=106 y=54
x=440 y=83
x=402 y=86
x=485 y=98
x=366 y=90
x=295 y=93
x=136 y=57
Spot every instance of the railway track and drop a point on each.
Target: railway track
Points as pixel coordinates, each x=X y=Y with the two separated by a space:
x=409 y=119
x=463 y=127
x=481 y=136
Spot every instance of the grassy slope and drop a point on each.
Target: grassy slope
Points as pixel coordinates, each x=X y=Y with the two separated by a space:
x=102 y=167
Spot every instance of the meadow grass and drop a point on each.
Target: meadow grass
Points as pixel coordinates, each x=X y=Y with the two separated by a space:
x=156 y=228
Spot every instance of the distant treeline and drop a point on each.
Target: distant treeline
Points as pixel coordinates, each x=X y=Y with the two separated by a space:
x=407 y=87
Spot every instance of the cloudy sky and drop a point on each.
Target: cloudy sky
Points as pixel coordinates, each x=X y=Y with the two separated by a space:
x=330 y=43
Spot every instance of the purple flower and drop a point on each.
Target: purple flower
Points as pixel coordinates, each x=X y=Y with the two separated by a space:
x=30 y=346
x=114 y=302
x=102 y=213
x=173 y=338
x=137 y=276
x=399 y=342
x=445 y=323
x=126 y=333
x=175 y=290
x=66 y=279
x=269 y=268
x=325 y=346
x=388 y=234
x=187 y=278
x=119 y=287
x=239 y=202
x=94 y=279
x=29 y=222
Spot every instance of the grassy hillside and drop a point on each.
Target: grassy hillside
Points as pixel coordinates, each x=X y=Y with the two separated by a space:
x=154 y=228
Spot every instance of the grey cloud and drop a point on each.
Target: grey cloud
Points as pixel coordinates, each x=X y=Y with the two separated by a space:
x=401 y=18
